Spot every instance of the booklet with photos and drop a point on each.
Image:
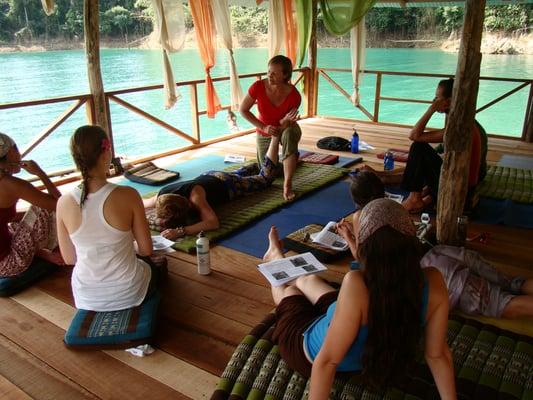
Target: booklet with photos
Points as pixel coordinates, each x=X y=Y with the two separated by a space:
x=328 y=237
x=279 y=272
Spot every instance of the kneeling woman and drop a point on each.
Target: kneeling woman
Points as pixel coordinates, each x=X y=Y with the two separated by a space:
x=374 y=324
x=186 y=208
x=97 y=224
x=35 y=233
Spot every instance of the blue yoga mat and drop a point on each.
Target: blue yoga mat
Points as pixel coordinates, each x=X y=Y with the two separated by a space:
x=506 y=212
x=514 y=161
x=189 y=169
x=330 y=203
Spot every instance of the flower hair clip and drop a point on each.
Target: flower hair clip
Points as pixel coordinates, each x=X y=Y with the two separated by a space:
x=106 y=144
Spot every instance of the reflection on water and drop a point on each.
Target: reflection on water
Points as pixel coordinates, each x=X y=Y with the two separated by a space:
x=25 y=76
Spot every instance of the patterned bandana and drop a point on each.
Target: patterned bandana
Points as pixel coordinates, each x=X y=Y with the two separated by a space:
x=382 y=212
x=6 y=143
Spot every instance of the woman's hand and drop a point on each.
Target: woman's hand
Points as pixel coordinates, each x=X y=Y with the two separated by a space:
x=32 y=167
x=345 y=229
x=440 y=105
x=272 y=130
x=290 y=118
x=173 y=234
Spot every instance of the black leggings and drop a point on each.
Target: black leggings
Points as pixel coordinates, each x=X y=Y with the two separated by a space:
x=422 y=168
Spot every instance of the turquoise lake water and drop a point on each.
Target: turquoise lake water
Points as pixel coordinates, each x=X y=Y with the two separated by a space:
x=28 y=76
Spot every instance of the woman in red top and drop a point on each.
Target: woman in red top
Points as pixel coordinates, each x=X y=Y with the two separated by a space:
x=36 y=232
x=277 y=102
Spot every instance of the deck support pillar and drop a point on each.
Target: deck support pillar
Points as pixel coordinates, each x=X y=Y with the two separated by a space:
x=527 y=134
x=311 y=91
x=92 y=51
x=457 y=138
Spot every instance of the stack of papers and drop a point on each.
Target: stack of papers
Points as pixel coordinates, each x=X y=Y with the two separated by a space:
x=160 y=243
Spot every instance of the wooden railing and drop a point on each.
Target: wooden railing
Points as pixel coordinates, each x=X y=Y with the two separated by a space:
x=522 y=83
x=194 y=137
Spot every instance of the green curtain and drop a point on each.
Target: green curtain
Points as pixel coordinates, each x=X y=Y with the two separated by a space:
x=342 y=15
x=304 y=19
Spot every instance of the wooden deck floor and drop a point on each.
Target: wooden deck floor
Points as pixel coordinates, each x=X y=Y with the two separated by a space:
x=202 y=318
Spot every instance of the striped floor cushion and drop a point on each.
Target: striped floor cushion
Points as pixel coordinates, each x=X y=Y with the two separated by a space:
x=114 y=329
x=240 y=212
x=490 y=363
x=38 y=269
x=508 y=183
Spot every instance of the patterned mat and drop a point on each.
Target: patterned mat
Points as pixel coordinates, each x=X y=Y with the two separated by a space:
x=508 y=183
x=490 y=363
x=240 y=212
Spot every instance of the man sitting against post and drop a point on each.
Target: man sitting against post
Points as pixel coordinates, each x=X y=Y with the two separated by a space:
x=422 y=171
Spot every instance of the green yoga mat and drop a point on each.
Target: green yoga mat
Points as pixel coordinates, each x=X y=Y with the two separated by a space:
x=508 y=183
x=242 y=211
x=489 y=363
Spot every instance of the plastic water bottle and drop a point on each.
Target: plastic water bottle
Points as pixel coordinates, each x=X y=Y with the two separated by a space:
x=388 y=161
x=202 y=254
x=355 y=142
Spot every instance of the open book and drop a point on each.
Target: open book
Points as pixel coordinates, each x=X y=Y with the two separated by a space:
x=329 y=238
x=279 y=272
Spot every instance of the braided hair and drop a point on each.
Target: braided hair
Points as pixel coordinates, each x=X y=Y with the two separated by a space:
x=86 y=146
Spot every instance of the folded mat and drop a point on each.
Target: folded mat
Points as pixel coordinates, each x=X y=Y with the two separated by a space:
x=150 y=174
x=329 y=203
x=490 y=363
x=243 y=210
x=508 y=183
x=39 y=268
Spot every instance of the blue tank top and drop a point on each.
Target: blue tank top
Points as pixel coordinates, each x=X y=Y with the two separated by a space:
x=316 y=333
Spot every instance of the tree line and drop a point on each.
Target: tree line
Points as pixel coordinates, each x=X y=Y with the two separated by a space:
x=24 y=20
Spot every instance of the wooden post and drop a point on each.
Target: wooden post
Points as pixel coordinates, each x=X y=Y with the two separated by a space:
x=527 y=133
x=457 y=136
x=92 y=51
x=312 y=93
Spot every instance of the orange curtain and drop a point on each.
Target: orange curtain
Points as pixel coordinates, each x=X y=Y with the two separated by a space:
x=291 y=35
x=204 y=26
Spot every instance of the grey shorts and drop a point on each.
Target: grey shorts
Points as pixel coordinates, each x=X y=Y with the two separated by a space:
x=482 y=297
x=289 y=143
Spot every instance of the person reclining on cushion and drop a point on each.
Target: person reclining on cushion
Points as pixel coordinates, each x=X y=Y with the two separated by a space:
x=179 y=206
x=422 y=171
x=277 y=105
x=97 y=224
x=475 y=286
x=376 y=321
x=35 y=234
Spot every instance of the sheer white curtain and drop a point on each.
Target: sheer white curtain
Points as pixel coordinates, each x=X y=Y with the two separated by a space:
x=223 y=26
x=276 y=21
x=357 y=50
x=170 y=31
x=48 y=6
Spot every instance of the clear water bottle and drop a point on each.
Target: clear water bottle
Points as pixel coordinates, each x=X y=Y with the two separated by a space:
x=388 y=161
x=355 y=142
x=202 y=254
x=462 y=223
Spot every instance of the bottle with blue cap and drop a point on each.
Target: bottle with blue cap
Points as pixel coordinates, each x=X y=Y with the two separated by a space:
x=388 y=161
x=355 y=142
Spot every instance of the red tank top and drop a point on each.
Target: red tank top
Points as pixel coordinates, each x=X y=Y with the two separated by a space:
x=6 y=215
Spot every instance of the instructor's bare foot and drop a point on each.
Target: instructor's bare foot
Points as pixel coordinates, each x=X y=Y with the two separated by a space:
x=275 y=248
x=288 y=193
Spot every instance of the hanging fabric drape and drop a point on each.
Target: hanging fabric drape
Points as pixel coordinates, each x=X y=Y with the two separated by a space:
x=276 y=18
x=357 y=52
x=48 y=6
x=342 y=15
x=170 y=31
x=304 y=17
x=290 y=31
x=202 y=16
x=223 y=26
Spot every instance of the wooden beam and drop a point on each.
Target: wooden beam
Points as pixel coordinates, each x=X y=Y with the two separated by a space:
x=457 y=138
x=312 y=77
x=527 y=133
x=92 y=51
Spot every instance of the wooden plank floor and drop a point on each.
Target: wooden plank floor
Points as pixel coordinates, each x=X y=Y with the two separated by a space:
x=202 y=318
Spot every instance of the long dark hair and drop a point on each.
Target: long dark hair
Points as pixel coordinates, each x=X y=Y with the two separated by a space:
x=365 y=187
x=86 y=145
x=392 y=273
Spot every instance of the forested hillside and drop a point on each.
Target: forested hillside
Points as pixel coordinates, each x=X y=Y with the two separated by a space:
x=24 y=22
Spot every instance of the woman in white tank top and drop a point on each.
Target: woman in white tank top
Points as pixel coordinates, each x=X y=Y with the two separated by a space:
x=97 y=224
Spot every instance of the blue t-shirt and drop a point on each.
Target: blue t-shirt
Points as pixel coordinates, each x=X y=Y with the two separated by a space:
x=316 y=333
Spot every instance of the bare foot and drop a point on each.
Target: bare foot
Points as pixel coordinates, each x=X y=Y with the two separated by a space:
x=275 y=248
x=288 y=194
